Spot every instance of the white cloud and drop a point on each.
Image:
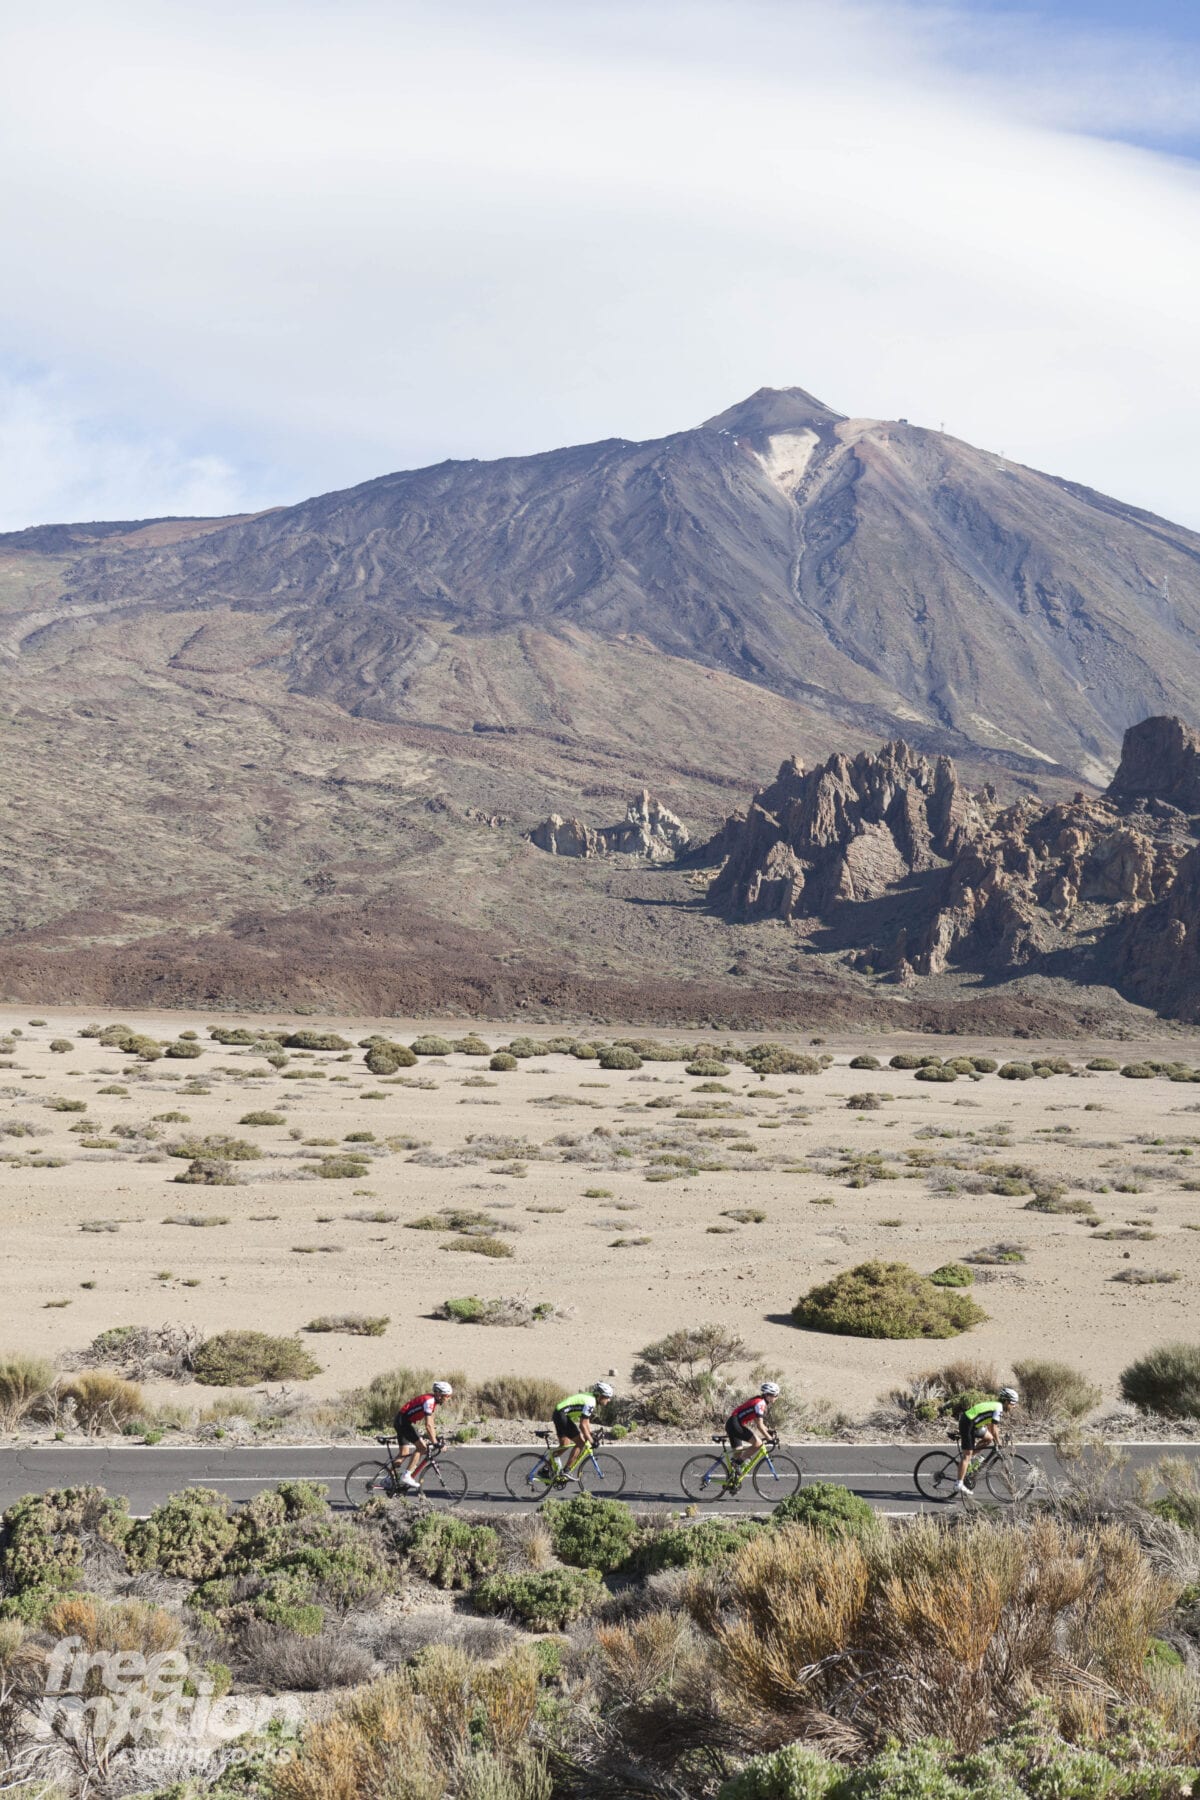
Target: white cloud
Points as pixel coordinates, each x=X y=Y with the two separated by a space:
x=334 y=241
x=57 y=465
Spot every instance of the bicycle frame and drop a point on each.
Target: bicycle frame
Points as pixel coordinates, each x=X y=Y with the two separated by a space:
x=736 y=1473
x=580 y=1454
x=426 y=1458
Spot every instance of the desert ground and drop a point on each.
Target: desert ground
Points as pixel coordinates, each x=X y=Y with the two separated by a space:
x=650 y=1248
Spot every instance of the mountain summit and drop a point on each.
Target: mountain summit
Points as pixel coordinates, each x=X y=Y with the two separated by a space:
x=776 y=409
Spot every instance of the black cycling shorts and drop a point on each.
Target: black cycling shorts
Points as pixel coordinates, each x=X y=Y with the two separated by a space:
x=736 y=1432
x=567 y=1426
x=407 y=1432
x=969 y=1432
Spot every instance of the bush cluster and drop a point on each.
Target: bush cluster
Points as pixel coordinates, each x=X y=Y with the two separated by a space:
x=886 y=1300
x=243 y=1358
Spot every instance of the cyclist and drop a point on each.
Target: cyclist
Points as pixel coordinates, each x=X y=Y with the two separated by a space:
x=746 y=1427
x=977 y=1429
x=414 y=1429
x=573 y=1422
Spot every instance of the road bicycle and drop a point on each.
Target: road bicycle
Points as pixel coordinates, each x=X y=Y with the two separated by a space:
x=440 y=1481
x=1007 y=1476
x=774 y=1477
x=535 y=1473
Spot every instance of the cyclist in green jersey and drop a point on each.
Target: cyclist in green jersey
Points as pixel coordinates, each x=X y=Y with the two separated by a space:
x=977 y=1428
x=573 y=1421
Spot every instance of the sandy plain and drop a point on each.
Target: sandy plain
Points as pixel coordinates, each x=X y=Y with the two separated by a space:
x=524 y=1146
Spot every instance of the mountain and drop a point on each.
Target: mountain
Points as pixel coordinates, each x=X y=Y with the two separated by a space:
x=300 y=752
x=882 y=575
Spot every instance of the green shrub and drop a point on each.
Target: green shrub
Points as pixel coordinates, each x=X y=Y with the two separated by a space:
x=1053 y=1390
x=481 y=1246
x=590 y=1533
x=340 y=1168
x=429 y=1045
x=314 y=1040
x=865 y=1061
x=351 y=1324
x=504 y=1310
x=1165 y=1381
x=885 y=1300
x=66 y=1106
x=984 y=1065
x=798 y=1772
x=1016 y=1071
x=777 y=1059
x=616 y=1056
x=61 y=1046
x=503 y=1063
x=698 y=1546
x=707 y=1065
x=831 y=1510
x=182 y=1051
x=937 y=1072
x=41 y=1538
x=189 y=1535
x=952 y=1275
x=384 y=1058
x=263 y=1118
x=904 y=1059
x=243 y=1358
x=216 y=1148
x=547 y=1600
x=998 y=1253
x=451 y=1553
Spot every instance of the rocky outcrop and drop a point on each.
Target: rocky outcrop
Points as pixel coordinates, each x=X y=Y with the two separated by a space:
x=914 y=874
x=649 y=830
x=1160 y=760
x=847 y=831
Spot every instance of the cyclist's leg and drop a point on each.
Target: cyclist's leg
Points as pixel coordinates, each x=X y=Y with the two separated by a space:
x=409 y=1446
x=966 y=1447
x=741 y=1442
x=569 y=1442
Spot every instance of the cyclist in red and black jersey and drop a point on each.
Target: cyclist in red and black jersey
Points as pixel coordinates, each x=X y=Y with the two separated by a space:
x=414 y=1428
x=746 y=1426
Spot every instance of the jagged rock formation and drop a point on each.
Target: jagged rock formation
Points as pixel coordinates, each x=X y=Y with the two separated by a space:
x=913 y=874
x=649 y=829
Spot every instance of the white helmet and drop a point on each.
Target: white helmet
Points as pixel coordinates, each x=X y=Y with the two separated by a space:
x=769 y=1389
x=605 y=1389
x=1009 y=1396
x=443 y=1390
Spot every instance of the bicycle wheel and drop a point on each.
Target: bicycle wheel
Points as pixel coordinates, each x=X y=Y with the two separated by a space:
x=602 y=1475
x=703 y=1477
x=935 y=1476
x=777 y=1478
x=368 y=1480
x=1011 y=1478
x=444 y=1482
x=526 y=1477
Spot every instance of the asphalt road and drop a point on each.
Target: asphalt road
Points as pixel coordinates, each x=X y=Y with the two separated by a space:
x=881 y=1474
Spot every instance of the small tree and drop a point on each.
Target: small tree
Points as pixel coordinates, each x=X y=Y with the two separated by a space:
x=685 y=1377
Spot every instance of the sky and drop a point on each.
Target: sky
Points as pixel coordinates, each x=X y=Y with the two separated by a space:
x=259 y=249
